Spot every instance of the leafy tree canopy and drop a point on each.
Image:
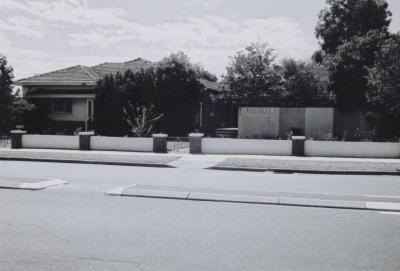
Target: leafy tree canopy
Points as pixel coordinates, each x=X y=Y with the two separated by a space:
x=177 y=94
x=253 y=78
x=6 y=98
x=349 y=69
x=108 y=106
x=302 y=85
x=383 y=92
x=171 y=89
x=342 y=20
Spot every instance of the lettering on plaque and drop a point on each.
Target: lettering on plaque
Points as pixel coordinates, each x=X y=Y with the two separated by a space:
x=257 y=112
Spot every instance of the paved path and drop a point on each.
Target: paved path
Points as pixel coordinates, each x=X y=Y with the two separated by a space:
x=226 y=162
x=334 y=166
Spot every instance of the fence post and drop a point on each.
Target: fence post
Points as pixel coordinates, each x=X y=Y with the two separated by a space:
x=16 y=139
x=298 y=143
x=160 y=143
x=195 y=143
x=84 y=140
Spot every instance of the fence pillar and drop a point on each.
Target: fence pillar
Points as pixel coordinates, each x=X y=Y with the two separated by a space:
x=298 y=145
x=195 y=143
x=16 y=139
x=160 y=143
x=84 y=140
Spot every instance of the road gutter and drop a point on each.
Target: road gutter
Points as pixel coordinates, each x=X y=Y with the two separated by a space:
x=187 y=194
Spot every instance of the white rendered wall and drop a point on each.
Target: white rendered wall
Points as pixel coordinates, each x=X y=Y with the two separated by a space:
x=258 y=122
x=352 y=149
x=138 y=144
x=50 y=142
x=246 y=146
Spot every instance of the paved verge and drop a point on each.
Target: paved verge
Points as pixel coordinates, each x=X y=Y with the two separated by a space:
x=220 y=162
x=308 y=165
x=89 y=157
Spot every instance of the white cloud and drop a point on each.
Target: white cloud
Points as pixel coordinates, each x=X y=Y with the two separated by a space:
x=23 y=60
x=23 y=26
x=207 y=39
x=69 y=11
x=205 y=34
x=205 y=4
x=201 y=31
x=9 y=49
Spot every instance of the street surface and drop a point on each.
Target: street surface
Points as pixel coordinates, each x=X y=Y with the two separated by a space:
x=78 y=227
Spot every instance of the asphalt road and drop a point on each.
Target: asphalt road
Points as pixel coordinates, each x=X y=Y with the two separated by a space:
x=78 y=227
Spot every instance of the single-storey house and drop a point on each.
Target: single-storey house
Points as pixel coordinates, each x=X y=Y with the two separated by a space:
x=68 y=94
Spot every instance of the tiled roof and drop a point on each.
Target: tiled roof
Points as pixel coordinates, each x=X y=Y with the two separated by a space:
x=84 y=74
x=41 y=91
x=72 y=74
x=216 y=86
x=134 y=65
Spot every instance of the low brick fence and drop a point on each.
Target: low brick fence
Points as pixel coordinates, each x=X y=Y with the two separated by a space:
x=198 y=144
x=49 y=142
x=88 y=141
x=352 y=149
x=297 y=146
x=246 y=146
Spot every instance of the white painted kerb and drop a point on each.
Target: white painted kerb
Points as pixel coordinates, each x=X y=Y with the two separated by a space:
x=42 y=185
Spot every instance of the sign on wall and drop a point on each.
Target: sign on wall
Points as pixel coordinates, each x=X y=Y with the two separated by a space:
x=274 y=122
x=258 y=122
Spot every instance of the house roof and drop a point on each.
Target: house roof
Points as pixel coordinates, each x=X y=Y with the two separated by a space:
x=41 y=91
x=73 y=75
x=77 y=75
x=84 y=75
x=133 y=65
x=216 y=86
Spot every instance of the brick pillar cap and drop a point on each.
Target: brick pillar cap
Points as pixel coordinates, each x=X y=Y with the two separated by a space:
x=298 y=138
x=160 y=135
x=86 y=133
x=18 y=132
x=196 y=135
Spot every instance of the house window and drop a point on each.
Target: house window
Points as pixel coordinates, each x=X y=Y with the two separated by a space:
x=90 y=109
x=62 y=106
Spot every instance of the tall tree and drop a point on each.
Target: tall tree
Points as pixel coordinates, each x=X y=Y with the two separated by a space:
x=6 y=97
x=177 y=94
x=108 y=106
x=253 y=78
x=171 y=89
x=349 y=69
x=342 y=20
x=350 y=33
x=384 y=86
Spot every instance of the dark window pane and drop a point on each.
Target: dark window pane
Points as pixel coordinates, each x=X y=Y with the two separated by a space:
x=90 y=108
x=58 y=106
x=68 y=106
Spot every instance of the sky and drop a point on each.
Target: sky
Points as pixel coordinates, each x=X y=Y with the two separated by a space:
x=38 y=36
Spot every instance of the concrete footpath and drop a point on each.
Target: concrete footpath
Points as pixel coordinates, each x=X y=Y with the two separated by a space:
x=356 y=202
x=277 y=164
